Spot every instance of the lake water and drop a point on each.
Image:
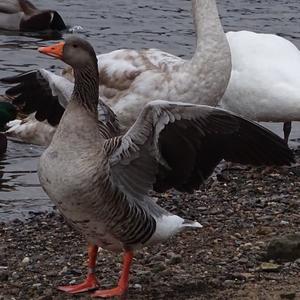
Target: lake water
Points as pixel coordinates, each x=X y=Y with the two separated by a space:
x=110 y=25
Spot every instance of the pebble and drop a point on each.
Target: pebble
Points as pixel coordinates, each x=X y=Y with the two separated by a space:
x=3 y=276
x=64 y=270
x=175 y=259
x=158 y=267
x=229 y=282
x=247 y=246
x=269 y=267
x=288 y=295
x=284 y=222
x=202 y=208
x=15 y=275
x=137 y=286
x=26 y=260
x=73 y=281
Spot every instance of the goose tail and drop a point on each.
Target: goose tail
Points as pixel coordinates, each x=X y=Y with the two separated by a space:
x=193 y=224
x=168 y=225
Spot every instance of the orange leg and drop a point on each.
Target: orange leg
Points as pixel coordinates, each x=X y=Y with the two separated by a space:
x=122 y=287
x=91 y=282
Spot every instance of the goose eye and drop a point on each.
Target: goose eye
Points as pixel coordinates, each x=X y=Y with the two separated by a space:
x=74 y=46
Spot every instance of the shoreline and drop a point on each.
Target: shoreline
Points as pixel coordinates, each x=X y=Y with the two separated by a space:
x=225 y=259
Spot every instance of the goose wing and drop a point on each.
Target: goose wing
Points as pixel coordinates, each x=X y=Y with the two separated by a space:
x=47 y=94
x=42 y=92
x=178 y=145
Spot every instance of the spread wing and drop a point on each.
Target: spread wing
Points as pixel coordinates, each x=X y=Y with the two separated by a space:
x=178 y=145
x=40 y=92
x=47 y=94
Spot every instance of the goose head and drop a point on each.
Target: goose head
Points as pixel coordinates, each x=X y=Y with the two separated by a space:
x=80 y=55
x=74 y=51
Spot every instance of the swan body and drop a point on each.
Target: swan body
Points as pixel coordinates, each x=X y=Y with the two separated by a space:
x=22 y=15
x=265 y=81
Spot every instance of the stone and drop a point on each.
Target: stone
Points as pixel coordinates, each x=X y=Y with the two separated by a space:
x=137 y=286
x=286 y=247
x=288 y=295
x=26 y=260
x=282 y=222
x=3 y=276
x=269 y=267
x=175 y=259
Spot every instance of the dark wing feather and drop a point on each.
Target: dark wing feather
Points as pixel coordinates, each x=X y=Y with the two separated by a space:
x=34 y=94
x=46 y=94
x=178 y=145
x=57 y=22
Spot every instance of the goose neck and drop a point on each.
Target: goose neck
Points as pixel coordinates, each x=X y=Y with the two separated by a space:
x=86 y=88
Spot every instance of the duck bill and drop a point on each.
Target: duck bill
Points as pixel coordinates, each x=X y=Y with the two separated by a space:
x=55 y=50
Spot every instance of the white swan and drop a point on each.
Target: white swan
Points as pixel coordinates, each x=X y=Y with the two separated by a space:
x=265 y=78
x=129 y=79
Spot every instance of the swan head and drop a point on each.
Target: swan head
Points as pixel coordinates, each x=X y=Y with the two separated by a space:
x=74 y=51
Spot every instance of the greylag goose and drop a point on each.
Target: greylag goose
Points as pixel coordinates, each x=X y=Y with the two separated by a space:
x=265 y=78
x=22 y=15
x=100 y=179
x=130 y=79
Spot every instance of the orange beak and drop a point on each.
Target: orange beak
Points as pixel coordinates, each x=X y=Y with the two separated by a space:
x=55 y=50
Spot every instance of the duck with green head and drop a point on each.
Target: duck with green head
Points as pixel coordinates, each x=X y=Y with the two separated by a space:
x=8 y=112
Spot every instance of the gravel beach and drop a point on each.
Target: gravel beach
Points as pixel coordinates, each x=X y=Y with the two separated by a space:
x=229 y=258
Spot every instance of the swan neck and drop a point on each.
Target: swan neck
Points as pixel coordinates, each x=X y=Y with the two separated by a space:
x=207 y=22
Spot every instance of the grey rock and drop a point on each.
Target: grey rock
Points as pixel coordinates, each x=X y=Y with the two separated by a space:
x=288 y=295
x=285 y=247
x=175 y=259
x=26 y=260
x=3 y=276
x=269 y=267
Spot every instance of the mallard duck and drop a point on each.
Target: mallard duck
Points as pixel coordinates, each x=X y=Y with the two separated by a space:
x=265 y=78
x=8 y=112
x=100 y=179
x=22 y=15
x=130 y=79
